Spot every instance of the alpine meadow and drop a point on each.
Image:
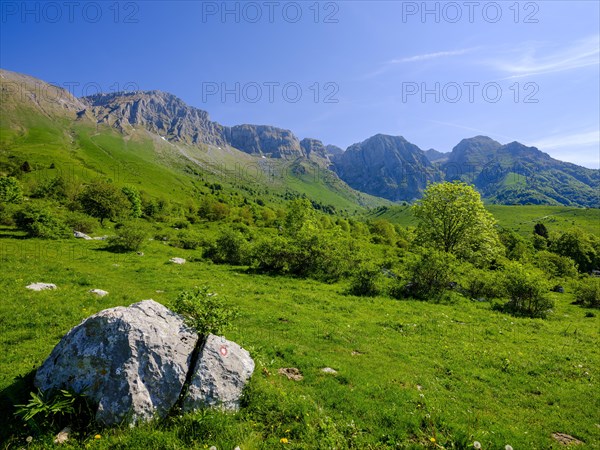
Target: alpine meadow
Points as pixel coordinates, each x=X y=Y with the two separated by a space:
x=172 y=279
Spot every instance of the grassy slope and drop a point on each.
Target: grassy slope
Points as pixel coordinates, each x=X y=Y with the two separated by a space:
x=484 y=375
x=518 y=218
x=80 y=153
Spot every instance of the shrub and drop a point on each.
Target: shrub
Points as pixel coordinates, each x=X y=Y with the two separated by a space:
x=81 y=222
x=273 y=254
x=483 y=284
x=429 y=275
x=39 y=222
x=527 y=290
x=366 y=281
x=10 y=190
x=134 y=198
x=54 y=188
x=204 y=311
x=130 y=237
x=104 y=201
x=230 y=247
x=188 y=240
x=587 y=292
x=555 y=265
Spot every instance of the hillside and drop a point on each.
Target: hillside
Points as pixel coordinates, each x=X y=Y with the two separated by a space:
x=157 y=142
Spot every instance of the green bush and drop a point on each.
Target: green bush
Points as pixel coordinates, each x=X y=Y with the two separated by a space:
x=427 y=276
x=230 y=247
x=130 y=237
x=38 y=221
x=10 y=190
x=204 y=311
x=527 y=290
x=53 y=188
x=587 y=292
x=482 y=284
x=81 y=222
x=556 y=266
x=366 y=281
x=188 y=240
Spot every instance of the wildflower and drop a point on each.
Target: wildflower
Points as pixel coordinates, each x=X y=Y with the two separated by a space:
x=29 y=439
x=97 y=436
x=432 y=439
x=476 y=444
x=283 y=440
x=287 y=431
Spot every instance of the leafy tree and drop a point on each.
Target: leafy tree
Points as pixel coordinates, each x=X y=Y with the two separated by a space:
x=300 y=215
x=134 y=198
x=383 y=232
x=104 y=201
x=10 y=190
x=581 y=247
x=451 y=216
x=541 y=230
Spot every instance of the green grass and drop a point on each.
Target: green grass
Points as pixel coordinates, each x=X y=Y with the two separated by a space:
x=408 y=371
x=520 y=218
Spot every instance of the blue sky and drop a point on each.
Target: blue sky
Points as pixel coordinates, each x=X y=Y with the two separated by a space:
x=432 y=72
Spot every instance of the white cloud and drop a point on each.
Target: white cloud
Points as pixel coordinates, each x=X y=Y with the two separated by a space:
x=532 y=61
x=428 y=56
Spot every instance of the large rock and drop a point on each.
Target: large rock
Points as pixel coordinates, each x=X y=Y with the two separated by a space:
x=220 y=375
x=131 y=361
x=134 y=362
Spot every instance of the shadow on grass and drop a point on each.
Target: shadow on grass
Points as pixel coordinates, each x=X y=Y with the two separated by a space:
x=16 y=393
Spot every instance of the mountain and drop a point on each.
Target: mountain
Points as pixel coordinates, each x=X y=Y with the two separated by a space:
x=386 y=166
x=333 y=150
x=156 y=129
x=517 y=174
x=154 y=140
x=435 y=156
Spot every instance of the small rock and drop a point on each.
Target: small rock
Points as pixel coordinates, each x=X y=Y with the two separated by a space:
x=41 y=286
x=177 y=260
x=98 y=292
x=80 y=235
x=158 y=291
x=62 y=436
x=100 y=238
x=140 y=253
x=329 y=370
x=565 y=439
x=558 y=288
x=356 y=353
x=291 y=373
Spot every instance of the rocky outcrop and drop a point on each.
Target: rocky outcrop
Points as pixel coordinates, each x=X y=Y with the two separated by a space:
x=134 y=362
x=158 y=112
x=386 y=166
x=333 y=150
x=264 y=140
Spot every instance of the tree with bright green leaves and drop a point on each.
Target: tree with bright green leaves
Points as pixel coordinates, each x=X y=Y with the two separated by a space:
x=300 y=216
x=104 y=201
x=451 y=217
x=10 y=190
x=134 y=198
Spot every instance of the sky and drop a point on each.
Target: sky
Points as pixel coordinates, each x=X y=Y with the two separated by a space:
x=433 y=72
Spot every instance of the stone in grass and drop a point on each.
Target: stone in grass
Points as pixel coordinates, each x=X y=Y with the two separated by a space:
x=41 y=286
x=291 y=373
x=80 y=235
x=177 y=260
x=565 y=439
x=98 y=292
x=133 y=362
x=329 y=370
x=63 y=436
x=221 y=372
